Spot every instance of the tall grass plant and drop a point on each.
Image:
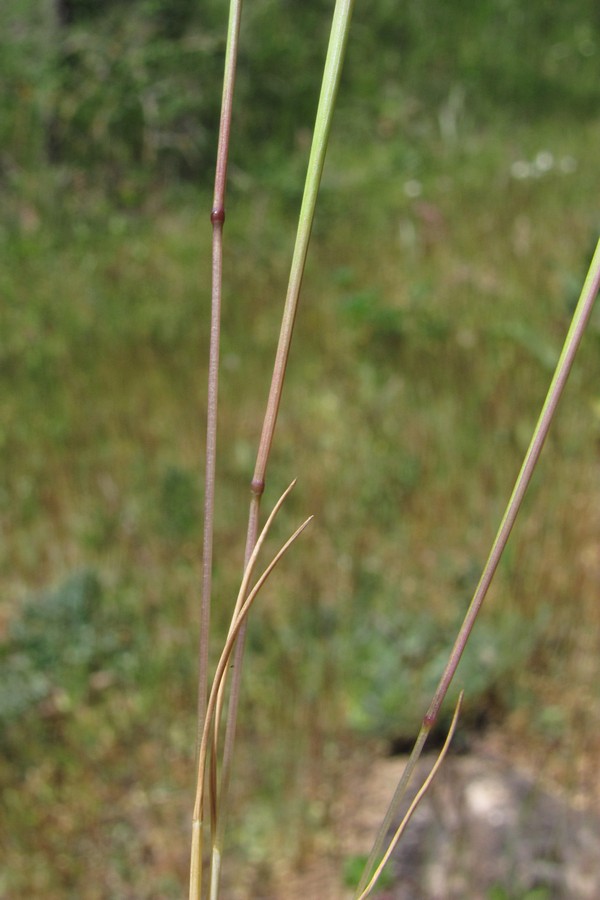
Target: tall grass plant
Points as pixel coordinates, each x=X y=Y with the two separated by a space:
x=100 y=441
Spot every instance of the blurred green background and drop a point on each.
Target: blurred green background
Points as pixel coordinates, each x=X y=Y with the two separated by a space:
x=459 y=210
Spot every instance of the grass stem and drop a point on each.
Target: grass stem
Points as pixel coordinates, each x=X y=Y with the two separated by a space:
x=217 y=218
x=411 y=809
x=331 y=77
x=563 y=367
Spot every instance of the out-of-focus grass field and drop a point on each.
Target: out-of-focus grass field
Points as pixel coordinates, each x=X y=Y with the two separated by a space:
x=442 y=275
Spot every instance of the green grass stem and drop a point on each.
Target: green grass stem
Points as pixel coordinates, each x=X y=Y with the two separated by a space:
x=563 y=367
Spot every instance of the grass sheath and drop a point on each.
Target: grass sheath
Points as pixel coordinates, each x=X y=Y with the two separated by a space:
x=213 y=706
x=419 y=796
x=240 y=602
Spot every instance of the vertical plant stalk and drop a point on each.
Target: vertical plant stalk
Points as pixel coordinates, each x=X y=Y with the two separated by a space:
x=331 y=76
x=575 y=333
x=217 y=217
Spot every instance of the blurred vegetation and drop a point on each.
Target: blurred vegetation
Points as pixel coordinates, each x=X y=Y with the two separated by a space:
x=459 y=207
x=108 y=86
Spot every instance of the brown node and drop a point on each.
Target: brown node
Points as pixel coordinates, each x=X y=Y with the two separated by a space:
x=257 y=486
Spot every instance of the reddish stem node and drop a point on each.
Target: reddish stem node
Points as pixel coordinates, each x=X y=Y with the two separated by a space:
x=257 y=486
x=429 y=719
x=217 y=214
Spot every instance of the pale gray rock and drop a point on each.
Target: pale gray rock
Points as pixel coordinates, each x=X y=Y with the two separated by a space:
x=486 y=830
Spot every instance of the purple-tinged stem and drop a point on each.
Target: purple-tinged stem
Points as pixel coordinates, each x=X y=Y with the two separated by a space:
x=217 y=217
x=563 y=367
